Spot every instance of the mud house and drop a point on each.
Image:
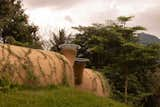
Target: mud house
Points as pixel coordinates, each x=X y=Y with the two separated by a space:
x=26 y=66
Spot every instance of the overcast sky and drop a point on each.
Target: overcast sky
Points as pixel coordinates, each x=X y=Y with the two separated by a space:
x=55 y=14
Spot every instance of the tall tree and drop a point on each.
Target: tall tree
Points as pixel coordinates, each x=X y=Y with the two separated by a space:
x=14 y=26
x=116 y=46
x=99 y=43
x=60 y=38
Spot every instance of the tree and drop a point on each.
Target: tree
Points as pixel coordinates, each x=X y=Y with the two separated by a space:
x=116 y=46
x=99 y=43
x=14 y=27
x=58 y=39
x=129 y=49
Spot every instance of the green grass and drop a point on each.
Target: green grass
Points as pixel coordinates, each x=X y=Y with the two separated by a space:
x=54 y=97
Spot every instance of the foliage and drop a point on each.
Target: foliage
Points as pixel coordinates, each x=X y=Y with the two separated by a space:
x=58 y=39
x=5 y=76
x=116 y=47
x=156 y=81
x=14 y=27
x=98 y=43
x=31 y=79
x=65 y=63
x=8 y=69
x=54 y=97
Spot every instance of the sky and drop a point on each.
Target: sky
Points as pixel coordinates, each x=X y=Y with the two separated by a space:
x=51 y=15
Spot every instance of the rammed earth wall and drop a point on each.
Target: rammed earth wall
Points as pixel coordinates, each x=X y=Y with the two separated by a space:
x=34 y=67
x=25 y=66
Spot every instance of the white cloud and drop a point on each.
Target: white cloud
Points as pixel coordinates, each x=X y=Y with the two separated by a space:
x=67 y=13
x=57 y=4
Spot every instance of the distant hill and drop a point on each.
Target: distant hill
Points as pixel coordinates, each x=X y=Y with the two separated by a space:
x=146 y=39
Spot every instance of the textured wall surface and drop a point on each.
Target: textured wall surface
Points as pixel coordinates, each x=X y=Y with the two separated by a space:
x=34 y=67
x=94 y=82
x=25 y=66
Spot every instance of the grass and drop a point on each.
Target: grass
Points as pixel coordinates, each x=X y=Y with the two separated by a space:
x=54 y=97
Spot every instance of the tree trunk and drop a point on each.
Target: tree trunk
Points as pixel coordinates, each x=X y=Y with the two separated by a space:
x=126 y=86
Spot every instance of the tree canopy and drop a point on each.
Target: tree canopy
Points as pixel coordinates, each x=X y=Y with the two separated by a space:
x=14 y=26
x=116 y=46
x=60 y=38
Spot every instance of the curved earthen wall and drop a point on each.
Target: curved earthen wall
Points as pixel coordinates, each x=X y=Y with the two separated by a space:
x=93 y=81
x=34 y=67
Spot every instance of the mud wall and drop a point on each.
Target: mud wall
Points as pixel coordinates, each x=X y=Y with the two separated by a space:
x=28 y=66
x=93 y=81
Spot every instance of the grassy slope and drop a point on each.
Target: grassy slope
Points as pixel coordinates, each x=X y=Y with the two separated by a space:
x=55 y=97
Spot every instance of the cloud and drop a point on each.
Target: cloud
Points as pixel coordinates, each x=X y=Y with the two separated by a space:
x=150 y=19
x=57 y=4
x=84 y=12
x=68 y=19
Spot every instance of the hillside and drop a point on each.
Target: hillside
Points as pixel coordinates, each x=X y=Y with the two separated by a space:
x=54 y=97
x=145 y=38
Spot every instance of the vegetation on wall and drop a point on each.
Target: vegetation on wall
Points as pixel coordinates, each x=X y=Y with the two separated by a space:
x=65 y=63
x=113 y=49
